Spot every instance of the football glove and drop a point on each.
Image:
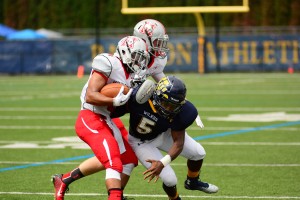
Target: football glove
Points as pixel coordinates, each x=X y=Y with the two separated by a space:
x=199 y=122
x=121 y=98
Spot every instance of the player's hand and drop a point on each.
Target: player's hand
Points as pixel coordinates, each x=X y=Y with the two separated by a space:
x=199 y=122
x=153 y=171
x=121 y=98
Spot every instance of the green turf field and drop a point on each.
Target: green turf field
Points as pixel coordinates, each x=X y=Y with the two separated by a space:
x=251 y=136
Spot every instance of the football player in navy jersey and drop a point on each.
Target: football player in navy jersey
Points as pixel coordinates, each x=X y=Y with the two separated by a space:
x=160 y=124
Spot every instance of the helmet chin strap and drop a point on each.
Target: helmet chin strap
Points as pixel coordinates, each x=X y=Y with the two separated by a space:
x=152 y=106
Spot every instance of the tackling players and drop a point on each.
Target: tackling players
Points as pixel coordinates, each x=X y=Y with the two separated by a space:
x=154 y=34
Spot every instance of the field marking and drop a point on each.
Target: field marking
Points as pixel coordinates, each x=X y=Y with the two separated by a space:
x=260 y=128
x=18 y=97
x=196 y=138
x=251 y=109
x=81 y=145
x=38 y=127
x=34 y=109
x=177 y=164
x=244 y=92
x=258 y=117
x=45 y=163
x=253 y=143
x=205 y=143
x=156 y=196
x=37 y=117
x=190 y=128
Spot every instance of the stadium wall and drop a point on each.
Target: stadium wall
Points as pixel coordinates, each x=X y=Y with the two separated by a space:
x=235 y=53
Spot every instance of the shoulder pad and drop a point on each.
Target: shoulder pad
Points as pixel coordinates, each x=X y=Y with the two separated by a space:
x=145 y=91
x=103 y=63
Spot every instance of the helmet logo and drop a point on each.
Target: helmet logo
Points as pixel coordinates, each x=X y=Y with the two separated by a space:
x=148 y=28
x=129 y=41
x=162 y=87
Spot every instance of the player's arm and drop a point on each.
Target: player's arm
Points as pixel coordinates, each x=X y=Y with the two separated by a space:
x=178 y=142
x=93 y=96
x=157 y=77
x=158 y=165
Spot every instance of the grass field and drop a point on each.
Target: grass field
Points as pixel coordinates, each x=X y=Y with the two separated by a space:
x=251 y=136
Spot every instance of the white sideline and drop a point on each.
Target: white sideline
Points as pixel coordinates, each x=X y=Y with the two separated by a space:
x=156 y=196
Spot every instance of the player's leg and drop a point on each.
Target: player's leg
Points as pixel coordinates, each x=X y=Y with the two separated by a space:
x=93 y=165
x=90 y=166
x=128 y=158
x=195 y=153
x=148 y=150
x=94 y=131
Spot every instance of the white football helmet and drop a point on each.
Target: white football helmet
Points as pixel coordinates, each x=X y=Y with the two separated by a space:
x=133 y=52
x=154 y=33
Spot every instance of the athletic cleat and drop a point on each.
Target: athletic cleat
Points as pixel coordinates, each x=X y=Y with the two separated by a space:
x=60 y=188
x=196 y=184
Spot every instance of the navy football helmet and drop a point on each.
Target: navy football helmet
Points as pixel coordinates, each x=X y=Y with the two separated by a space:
x=169 y=96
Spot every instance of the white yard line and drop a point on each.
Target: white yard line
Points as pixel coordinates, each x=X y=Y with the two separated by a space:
x=190 y=128
x=253 y=143
x=205 y=143
x=173 y=164
x=35 y=117
x=156 y=196
x=251 y=109
x=38 y=127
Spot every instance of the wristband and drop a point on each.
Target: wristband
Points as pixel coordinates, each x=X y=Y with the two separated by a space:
x=166 y=160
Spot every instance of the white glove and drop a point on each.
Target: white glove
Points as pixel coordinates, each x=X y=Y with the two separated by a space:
x=121 y=98
x=199 y=122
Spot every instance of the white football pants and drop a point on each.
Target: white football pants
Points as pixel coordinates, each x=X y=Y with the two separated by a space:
x=150 y=149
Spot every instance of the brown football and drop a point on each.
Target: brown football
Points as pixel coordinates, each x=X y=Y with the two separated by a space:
x=112 y=89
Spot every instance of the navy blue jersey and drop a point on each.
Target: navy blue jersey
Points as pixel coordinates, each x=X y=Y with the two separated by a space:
x=145 y=124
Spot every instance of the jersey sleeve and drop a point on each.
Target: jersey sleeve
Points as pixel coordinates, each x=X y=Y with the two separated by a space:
x=119 y=111
x=185 y=117
x=156 y=68
x=102 y=64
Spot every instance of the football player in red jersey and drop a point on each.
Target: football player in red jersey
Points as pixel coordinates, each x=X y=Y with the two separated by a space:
x=94 y=125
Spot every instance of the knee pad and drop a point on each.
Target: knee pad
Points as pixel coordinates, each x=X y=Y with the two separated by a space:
x=127 y=169
x=168 y=177
x=110 y=173
x=199 y=153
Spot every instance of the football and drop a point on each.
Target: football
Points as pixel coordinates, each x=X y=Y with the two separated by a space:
x=112 y=89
